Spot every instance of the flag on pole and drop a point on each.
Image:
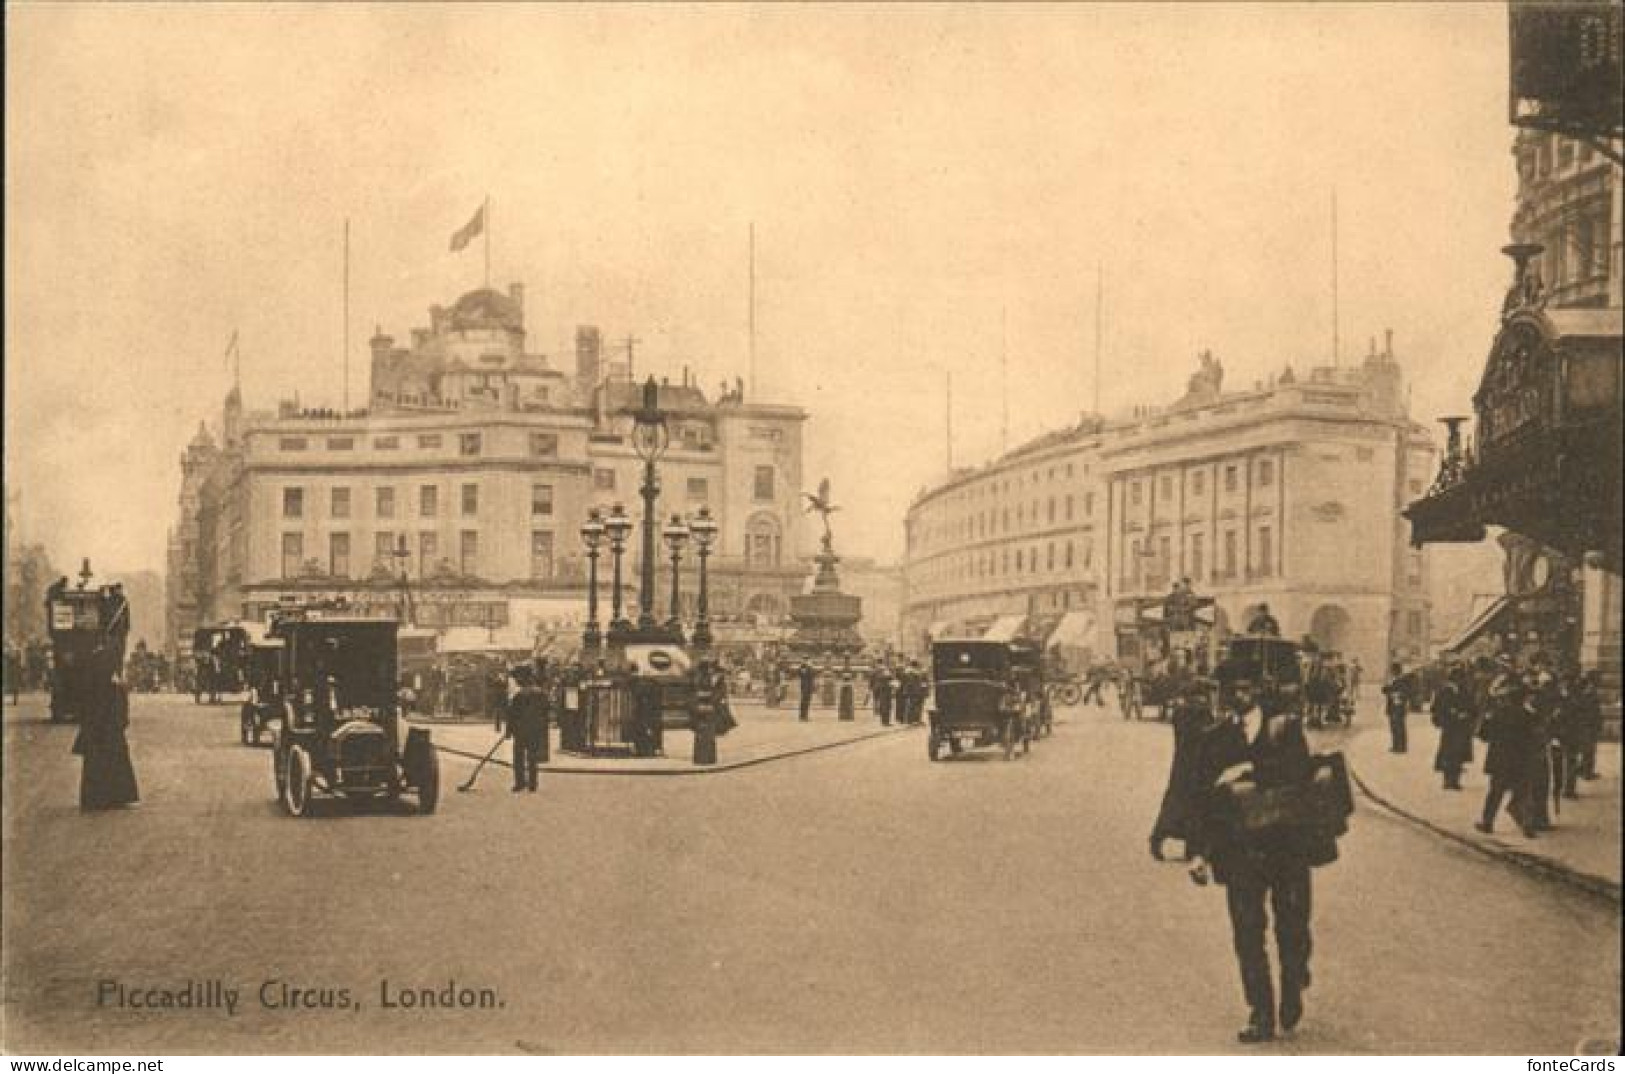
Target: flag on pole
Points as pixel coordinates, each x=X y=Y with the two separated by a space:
x=461 y=237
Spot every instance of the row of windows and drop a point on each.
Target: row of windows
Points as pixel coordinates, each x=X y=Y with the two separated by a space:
x=994 y=522
x=763 y=484
x=469 y=445
x=1577 y=250
x=1153 y=564
x=428 y=501
x=1049 y=557
x=393 y=548
x=1263 y=472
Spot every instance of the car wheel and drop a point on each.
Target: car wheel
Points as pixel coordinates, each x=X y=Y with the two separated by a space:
x=429 y=784
x=1071 y=695
x=297 y=787
x=279 y=766
x=933 y=746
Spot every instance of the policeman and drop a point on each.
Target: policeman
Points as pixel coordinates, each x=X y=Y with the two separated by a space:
x=1396 y=693
x=1264 y=623
x=1268 y=750
x=527 y=726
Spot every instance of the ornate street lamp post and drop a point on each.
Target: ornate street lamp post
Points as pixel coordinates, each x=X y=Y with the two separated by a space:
x=650 y=438
x=704 y=529
x=618 y=527
x=401 y=555
x=676 y=535
x=592 y=535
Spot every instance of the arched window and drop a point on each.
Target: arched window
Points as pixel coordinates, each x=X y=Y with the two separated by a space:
x=764 y=541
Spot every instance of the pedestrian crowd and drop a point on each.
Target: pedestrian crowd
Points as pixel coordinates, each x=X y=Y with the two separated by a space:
x=1539 y=725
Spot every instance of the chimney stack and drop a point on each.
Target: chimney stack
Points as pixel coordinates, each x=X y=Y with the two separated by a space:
x=589 y=364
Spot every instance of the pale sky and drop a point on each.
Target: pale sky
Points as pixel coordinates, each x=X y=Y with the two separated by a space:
x=175 y=173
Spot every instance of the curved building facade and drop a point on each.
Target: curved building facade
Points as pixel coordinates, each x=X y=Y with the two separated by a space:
x=1288 y=494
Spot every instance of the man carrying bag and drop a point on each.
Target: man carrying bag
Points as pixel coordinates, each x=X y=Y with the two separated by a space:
x=1265 y=814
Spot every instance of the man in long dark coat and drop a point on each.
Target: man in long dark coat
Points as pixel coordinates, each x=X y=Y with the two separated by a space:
x=911 y=694
x=1191 y=718
x=806 y=678
x=1455 y=717
x=527 y=726
x=1509 y=732
x=880 y=689
x=1269 y=750
x=1396 y=694
x=107 y=779
x=1545 y=752
x=1580 y=729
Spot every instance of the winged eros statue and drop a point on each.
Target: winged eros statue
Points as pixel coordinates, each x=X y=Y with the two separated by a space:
x=822 y=504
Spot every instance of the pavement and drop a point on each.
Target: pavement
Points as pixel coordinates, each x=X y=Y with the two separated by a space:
x=1583 y=848
x=763 y=734
x=853 y=900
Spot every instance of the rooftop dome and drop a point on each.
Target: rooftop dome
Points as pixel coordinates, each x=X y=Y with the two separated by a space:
x=486 y=308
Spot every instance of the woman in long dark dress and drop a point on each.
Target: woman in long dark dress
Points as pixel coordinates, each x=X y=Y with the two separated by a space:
x=107 y=779
x=1192 y=718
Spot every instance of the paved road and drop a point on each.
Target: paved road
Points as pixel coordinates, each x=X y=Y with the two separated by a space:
x=857 y=900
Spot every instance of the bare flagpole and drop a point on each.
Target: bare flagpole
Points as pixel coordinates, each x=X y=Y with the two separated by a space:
x=751 y=327
x=948 y=418
x=1100 y=298
x=344 y=348
x=487 y=230
x=1336 y=342
x=1004 y=388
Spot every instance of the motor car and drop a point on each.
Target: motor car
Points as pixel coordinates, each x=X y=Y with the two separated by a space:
x=981 y=697
x=342 y=732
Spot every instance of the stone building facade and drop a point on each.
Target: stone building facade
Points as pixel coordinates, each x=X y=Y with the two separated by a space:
x=1288 y=494
x=458 y=493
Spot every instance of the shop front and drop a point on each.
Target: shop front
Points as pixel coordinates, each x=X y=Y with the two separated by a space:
x=1543 y=464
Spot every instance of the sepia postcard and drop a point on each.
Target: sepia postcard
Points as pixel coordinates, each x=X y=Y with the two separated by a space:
x=755 y=529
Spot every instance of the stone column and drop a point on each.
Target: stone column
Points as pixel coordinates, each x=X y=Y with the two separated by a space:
x=1600 y=639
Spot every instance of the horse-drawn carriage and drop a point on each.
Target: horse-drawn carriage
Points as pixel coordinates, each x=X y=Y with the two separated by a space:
x=1162 y=644
x=265 y=700
x=220 y=657
x=986 y=693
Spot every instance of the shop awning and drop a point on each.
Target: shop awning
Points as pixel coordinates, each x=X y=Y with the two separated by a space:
x=1487 y=619
x=1076 y=630
x=1004 y=628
